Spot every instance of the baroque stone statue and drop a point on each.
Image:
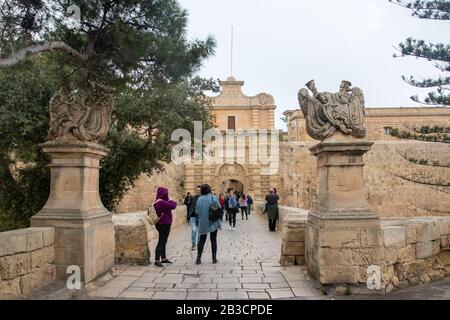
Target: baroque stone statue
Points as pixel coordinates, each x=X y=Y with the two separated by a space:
x=78 y=116
x=327 y=112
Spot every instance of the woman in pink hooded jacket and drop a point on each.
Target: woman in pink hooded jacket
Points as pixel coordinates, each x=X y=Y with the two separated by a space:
x=163 y=207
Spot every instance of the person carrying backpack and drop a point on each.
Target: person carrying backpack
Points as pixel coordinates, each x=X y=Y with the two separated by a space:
x=208 y=210
x=249 y=203
x=233 y=208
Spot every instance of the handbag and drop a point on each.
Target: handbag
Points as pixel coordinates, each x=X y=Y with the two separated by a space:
x=152 y=216
x=215 y=212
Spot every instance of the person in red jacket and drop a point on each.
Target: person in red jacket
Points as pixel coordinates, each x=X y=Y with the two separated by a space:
x=163 y=207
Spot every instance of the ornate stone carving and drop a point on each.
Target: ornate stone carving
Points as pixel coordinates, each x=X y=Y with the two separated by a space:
x=78 y=116
x=229 y=170
x=327 y=112
x=265 y=99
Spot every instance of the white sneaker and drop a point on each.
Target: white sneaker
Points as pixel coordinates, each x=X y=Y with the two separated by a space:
x=234 y=229
x=229 y=229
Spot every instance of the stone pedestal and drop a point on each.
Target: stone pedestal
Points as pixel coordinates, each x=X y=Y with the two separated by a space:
x=343 y=236
x=84 y=232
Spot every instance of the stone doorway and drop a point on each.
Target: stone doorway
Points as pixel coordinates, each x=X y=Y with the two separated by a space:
x=232 y=183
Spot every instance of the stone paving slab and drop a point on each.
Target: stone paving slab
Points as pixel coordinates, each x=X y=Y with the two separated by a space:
x=248 y=268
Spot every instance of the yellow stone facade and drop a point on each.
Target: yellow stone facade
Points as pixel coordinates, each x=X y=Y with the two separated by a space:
x=251 y=114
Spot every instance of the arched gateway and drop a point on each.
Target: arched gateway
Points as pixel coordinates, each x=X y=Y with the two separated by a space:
x=233 y=110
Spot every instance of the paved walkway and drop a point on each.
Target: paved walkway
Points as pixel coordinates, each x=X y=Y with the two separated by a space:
x=248 y=268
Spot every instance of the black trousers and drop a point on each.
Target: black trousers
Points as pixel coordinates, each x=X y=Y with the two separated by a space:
x=163 y=231
x=232 y=216
x=272 y=224
x=201 y=243
x=244 y=211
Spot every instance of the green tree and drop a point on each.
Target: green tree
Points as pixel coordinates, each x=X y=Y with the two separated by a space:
x=439 y=55
x=138 y=48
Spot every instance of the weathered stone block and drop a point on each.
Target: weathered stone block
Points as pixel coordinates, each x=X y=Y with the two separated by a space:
x=42 y=257
x=350 y=257
x=35 y=239
x=293 y=248
x=338 y=274
x=388 y=274
x=444 y=256
x=427 y=231
x=391 y=255
x=444 y=226
x=287 y=260
x=424 y=250
x=370 y=237
x=394 y=236
x=436 y=247
x=411 y=234
x=427 y=249
x=132 y=234
x=339 y=238
x=14 y=241
x=48 y=236
x=10 y=289
x=38 y=278
x=407 y=254
x=14 y=265
x=445 y=242
x=290 y=234
x=300 y=260
x=436 y=275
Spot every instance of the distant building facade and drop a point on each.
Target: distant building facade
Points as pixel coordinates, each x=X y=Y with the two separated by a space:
x=379 y=122
x=237 y=115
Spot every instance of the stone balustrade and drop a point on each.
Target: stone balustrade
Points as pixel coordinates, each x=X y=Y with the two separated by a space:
x=134 y=232
x=27 y=261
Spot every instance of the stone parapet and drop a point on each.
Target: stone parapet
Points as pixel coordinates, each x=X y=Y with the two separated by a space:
x=27 y=261
x=134 y=232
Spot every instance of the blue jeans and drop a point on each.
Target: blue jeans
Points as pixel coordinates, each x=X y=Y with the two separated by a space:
x=194 y=227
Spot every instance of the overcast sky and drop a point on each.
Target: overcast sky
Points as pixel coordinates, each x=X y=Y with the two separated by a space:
x=281 y=45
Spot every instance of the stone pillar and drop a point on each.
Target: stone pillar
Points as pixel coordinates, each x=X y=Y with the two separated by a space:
x=343 y=236
x=84 y=232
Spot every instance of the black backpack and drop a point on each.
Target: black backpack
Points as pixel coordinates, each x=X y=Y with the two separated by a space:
x=215 y=212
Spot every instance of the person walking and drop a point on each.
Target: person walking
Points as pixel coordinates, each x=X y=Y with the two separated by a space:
x=249 y=203
x=163 y=207
x=205 y=226
x=243 y=206
x=222 y=205
x=187 y=203
x=232 y=210
x=193 y=219
x=272 y=209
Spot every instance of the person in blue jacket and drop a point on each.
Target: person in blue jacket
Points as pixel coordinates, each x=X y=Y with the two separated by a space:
x=205 y=226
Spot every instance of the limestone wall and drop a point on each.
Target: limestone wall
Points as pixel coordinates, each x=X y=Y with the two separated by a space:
x=387 y=194
x=283 y=213
x=292 y=225
x=416 y=251
x=134 y=233
x=143 y=193
x=26 y=261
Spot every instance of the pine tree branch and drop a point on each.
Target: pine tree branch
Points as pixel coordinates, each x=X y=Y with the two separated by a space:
x=421 y=49
x=427 y=83
x=426 y=9
x=23 y=54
